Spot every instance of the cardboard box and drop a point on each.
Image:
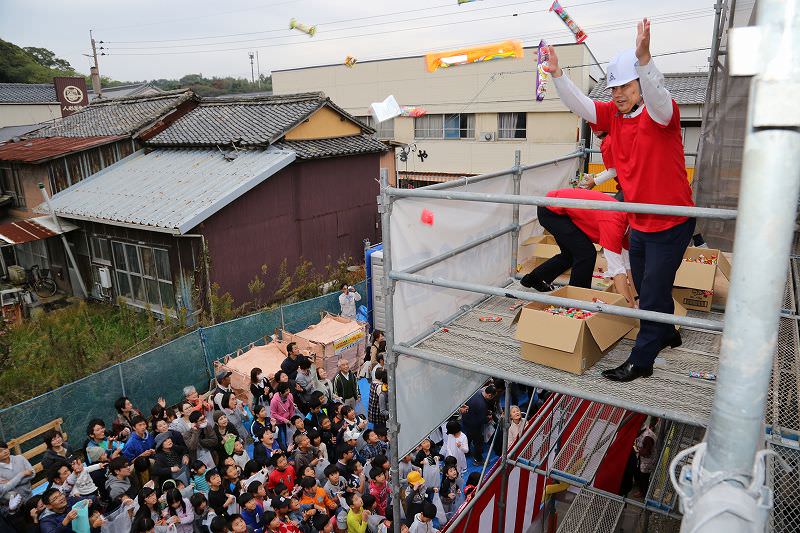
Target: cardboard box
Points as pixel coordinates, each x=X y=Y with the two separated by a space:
x=694 y=282
x=566 y=343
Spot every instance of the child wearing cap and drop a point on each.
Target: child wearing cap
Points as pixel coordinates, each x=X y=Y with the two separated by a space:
x=417 y=496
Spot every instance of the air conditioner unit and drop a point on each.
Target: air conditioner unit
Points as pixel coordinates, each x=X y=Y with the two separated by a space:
x=105 y=277
x=487 y=136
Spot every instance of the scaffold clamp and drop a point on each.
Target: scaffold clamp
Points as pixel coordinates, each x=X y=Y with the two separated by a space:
x=722 y=501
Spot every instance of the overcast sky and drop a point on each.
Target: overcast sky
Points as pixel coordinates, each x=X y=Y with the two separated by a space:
x=155 y=35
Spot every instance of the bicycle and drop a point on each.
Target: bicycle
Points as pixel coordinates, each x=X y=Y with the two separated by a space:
x=40 y=282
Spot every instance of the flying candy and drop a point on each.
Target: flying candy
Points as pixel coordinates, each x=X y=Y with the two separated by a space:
x=580 y=36
x=427 y=217
x=465 y=1
x=413 y=111
x=542 y=76
x=349 y=61
x=475 y=54
x=299 y=26
x=490 y=318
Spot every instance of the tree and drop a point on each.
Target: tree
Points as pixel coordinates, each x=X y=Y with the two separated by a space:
x=20 y=66
x=48 y=59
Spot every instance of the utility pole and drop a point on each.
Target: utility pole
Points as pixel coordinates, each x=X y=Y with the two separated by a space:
x=258 y=69
x=95 y=70
x=252 y=72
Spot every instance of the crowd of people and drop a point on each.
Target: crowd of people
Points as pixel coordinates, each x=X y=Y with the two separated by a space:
x=300 y=453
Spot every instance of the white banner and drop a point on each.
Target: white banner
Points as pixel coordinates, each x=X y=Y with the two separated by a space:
x=427 y=394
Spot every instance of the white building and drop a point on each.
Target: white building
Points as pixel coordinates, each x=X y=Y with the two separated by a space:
x=478 y=114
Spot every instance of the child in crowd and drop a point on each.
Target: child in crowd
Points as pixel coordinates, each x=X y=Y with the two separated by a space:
x=199 y=477
x=456 y=445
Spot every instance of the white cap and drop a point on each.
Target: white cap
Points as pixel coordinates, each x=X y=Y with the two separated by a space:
x=622 y=69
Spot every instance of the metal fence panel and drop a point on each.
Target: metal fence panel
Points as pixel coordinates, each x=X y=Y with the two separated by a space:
x=227 y=337
x=77 y=403
x=164 y=371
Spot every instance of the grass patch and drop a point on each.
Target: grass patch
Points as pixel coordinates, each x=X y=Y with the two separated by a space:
x=67 y=344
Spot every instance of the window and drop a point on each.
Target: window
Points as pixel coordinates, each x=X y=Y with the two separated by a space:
x=143 y=275
x=9 y=180
x=383 y=130
x=451 y=126
x=32 y=253
x=511 y=125
x=101 y=250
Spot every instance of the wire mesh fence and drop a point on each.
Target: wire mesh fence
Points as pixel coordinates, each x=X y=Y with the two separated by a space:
x=785 y=483
x=163 y=371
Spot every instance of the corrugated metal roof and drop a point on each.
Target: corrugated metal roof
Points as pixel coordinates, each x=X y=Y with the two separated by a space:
x=319 y=148
x=686 y=88
x=32 y=229
x=169 y=190
x=28 y=93
x=35 y=150
x=117 y=116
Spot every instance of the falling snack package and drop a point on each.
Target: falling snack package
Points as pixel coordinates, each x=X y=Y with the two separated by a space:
x=474 y=54
x=427 y=217
x=465 y=1
x=542 y=76
x=388 y=109
x=349 y=61
x=576 y=30
x=299 y=26
x=413 y=111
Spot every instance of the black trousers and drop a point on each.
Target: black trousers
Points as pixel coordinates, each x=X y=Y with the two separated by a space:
x=655 y=258
x=577 y=251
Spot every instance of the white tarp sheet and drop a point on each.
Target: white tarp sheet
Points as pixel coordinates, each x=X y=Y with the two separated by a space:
x=427 y=393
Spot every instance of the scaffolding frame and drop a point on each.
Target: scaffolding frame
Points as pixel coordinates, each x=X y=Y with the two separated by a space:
x=388 y=194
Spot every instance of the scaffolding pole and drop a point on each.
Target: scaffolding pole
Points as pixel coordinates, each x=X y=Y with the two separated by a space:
x=501 y=502
x=692 y=322
x=385 y=207
x=517 y=180
x=764 y=228
x=572 y=203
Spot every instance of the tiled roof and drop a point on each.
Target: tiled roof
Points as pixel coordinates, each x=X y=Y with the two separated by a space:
x=118 y=116
x=28 y=93
x=169 y=190
x=244 y=120
x=685 y=88
x=42 y=149
x=319 y=148
x=131 y=89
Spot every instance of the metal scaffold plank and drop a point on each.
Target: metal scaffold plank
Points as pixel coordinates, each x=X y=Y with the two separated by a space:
x=592 y=513
x=661 y=494
x=669 y=393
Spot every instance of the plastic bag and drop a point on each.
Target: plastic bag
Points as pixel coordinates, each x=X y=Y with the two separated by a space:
x=488 y=432
x=117 y=522
x=441 y=516
x=81 y=523
x=319 y=471
x=431 y=475
x=362 y=313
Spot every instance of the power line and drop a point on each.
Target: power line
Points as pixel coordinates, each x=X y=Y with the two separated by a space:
x=284 y=29
x=314 y=41
x=170 y=21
